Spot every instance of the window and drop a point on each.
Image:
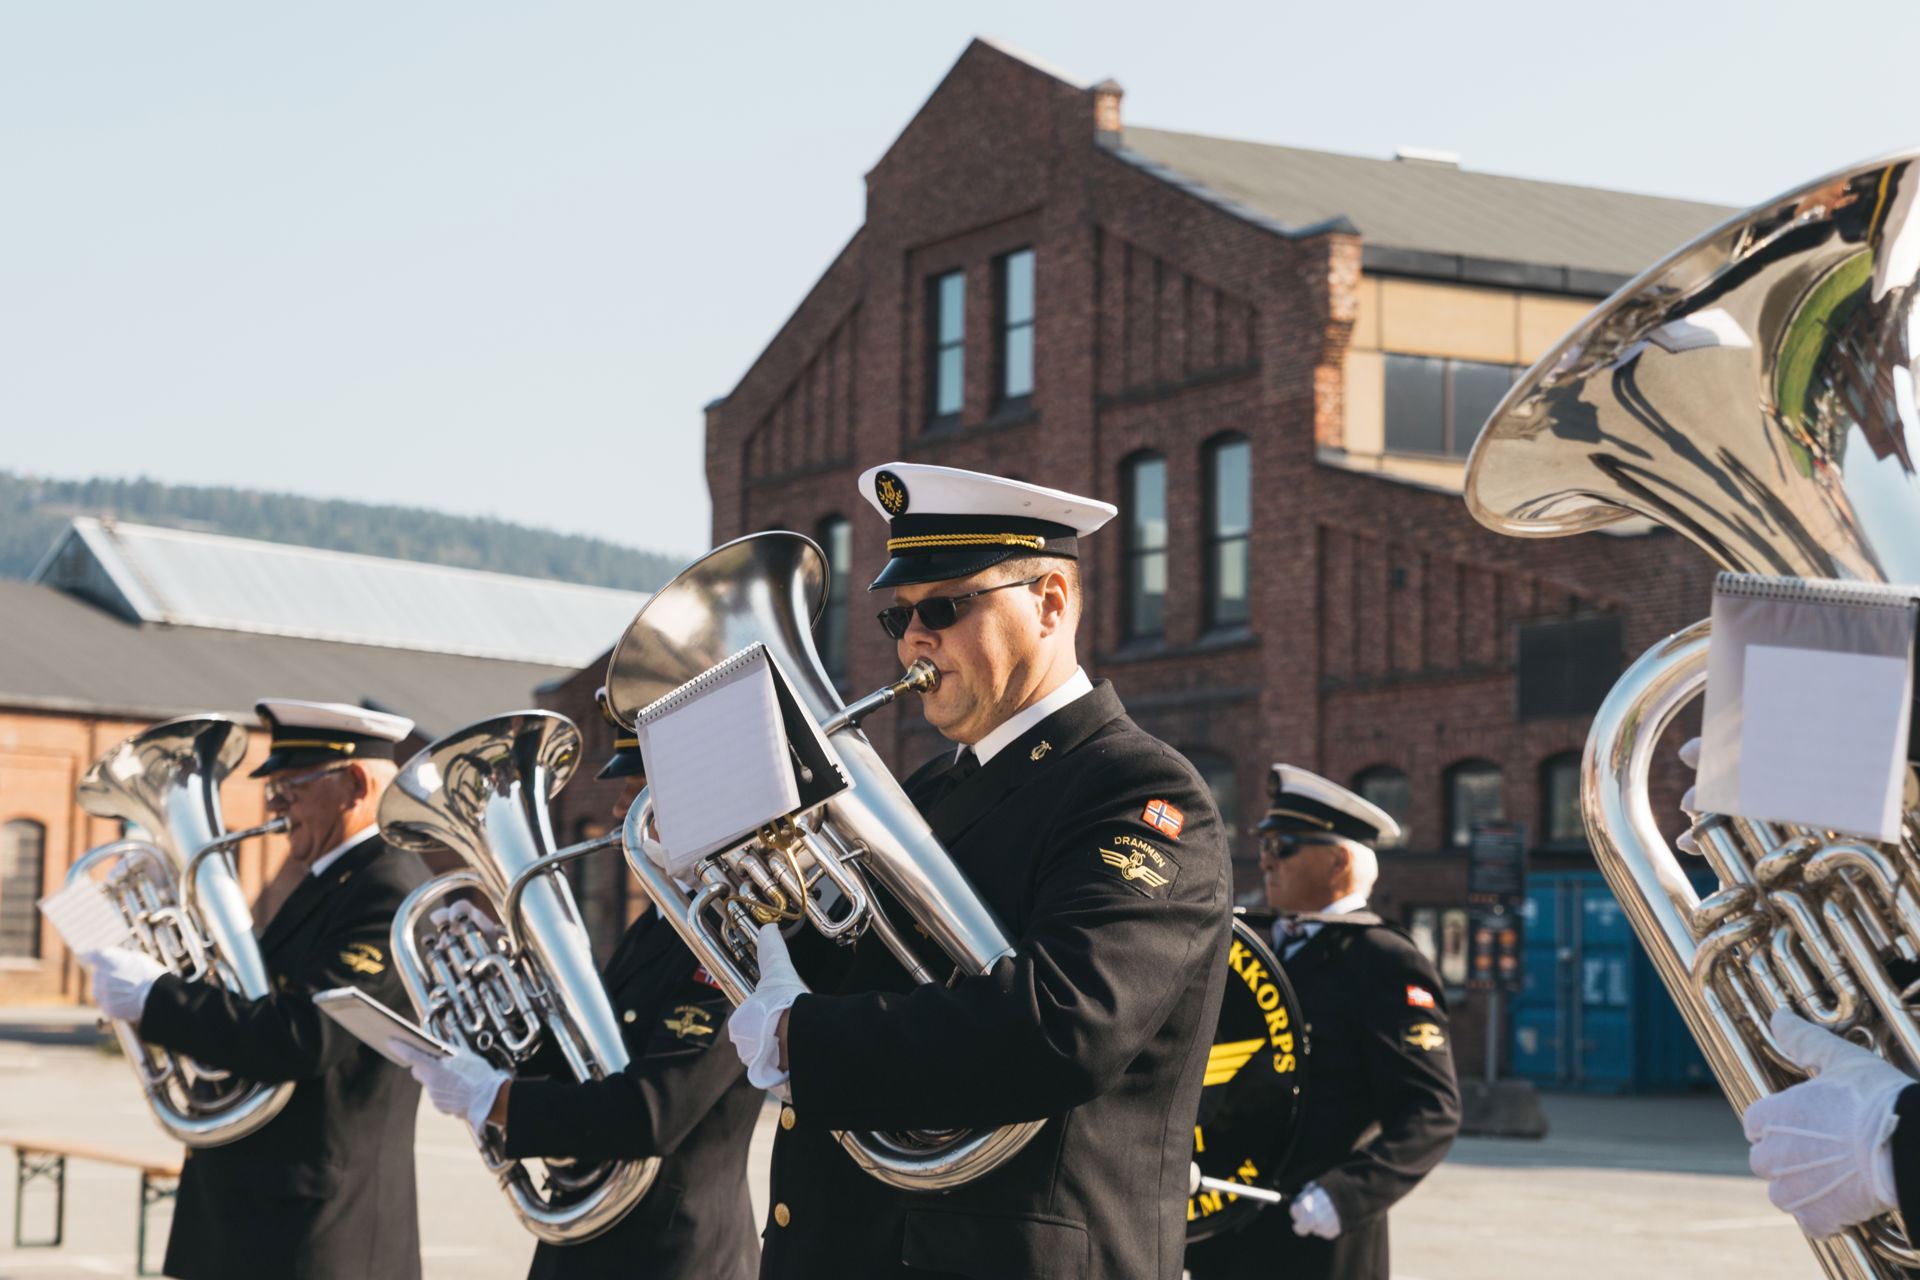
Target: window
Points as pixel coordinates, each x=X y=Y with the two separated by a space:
x=1146 y=586
x=836 y=539
x=1474 y=794
x=1217 y=771
x=947 y=322
x=22 y=850
x=1437 y=406
x=1229 y=520
x=1440 y=934
x=1016 y=325
x=1560 y=822
x=1386 y=786
x=1567 y=668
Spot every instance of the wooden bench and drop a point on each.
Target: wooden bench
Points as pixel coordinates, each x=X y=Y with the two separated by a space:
x=46 y=1158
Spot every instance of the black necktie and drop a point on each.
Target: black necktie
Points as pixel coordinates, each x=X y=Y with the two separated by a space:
x=965 y=767
x=947 y=782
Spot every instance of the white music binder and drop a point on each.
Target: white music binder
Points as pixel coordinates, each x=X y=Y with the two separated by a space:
x=1808 y=704
x=728 y=752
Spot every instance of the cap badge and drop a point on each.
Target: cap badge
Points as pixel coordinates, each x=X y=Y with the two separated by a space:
x=891 y=490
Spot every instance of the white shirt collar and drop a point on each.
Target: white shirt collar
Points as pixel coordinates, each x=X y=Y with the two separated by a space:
x=1076 y=686
x=354 y=841
x=1338 y=907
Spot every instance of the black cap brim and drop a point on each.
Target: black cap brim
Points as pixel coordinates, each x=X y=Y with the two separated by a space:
x=623 y=764
x=941 y=566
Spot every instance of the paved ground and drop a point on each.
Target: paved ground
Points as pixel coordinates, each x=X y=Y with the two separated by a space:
x=1646 y=1187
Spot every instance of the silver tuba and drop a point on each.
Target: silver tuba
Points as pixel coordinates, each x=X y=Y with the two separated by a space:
x=178 y=890
x=768 y=588
x=1755 y=392
x=482 y=791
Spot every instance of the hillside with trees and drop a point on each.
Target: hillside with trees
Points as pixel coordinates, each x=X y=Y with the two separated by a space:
x=34 y=511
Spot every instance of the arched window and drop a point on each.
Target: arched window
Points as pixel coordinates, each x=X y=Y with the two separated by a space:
x=1561 y=825
x=1229 y=470
x=23 y=845
x=1386 y=786
x=836 y=539
x=1474 y=794
x=1144 y=485
x=1217 y=770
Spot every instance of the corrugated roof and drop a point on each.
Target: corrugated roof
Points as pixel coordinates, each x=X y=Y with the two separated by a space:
x=1419 y=208
x=214 y=582
x=61 y=653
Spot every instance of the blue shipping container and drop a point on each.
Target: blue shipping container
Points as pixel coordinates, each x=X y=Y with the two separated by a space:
x=1592 y=1014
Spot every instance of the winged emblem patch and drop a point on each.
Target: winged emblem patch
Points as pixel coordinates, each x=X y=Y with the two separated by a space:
x=363 y=957
x=1134 y=867
x=689 y=1020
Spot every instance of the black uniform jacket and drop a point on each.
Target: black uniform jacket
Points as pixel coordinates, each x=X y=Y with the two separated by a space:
x=684 y=1097
x=1905 y=1148
x=1381 y=1103
x=1099 y=849
x=325 y=1190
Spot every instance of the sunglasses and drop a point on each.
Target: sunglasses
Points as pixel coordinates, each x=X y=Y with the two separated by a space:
x=937 y=613
x=1280 y=845
x=281 y=790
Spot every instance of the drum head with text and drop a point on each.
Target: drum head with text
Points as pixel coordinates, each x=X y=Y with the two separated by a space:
x=1250 y=1107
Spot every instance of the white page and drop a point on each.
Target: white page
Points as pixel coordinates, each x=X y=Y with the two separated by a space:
x=85 y=918
x=1822 y=739
x=718 y=767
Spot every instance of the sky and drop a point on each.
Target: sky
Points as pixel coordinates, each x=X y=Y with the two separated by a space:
x=493 y=258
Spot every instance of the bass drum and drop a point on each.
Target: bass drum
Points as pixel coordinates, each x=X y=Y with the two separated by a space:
x=1251 y=1106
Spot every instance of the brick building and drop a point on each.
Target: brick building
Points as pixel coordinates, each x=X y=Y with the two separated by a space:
x=1273 y=361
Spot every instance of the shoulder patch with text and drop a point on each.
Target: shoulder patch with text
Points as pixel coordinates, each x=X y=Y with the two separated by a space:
x=1164 y=818
x=364 y=957
x=1140 y=865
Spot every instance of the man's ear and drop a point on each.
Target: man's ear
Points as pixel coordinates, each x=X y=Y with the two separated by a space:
x=362 y=781
x=1055 y=600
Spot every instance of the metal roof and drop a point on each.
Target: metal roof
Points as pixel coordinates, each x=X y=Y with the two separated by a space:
x=1419 y=217
x=213 y=582
x=60 y=653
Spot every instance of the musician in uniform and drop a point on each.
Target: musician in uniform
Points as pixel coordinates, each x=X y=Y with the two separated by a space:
x=1382 y=1105
x=1099 y=849
x=679 y=1099
x=325 y=1190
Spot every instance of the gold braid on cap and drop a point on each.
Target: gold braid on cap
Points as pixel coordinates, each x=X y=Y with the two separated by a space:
x=955 y=541
x=346 y=747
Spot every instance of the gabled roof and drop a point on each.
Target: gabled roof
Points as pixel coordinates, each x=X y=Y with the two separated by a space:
x=1418 y=217
x=59 y=653
x=213 y=582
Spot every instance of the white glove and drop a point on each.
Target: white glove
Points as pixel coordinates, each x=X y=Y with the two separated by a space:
x=122 y=979
x=1822 y=1144
x=461 y=1084
x=464 y=912
x=1690 y=757
x=754 y=1027
x=1314 y=1214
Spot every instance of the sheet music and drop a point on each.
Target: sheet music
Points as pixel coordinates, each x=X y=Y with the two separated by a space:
x=718 y=763
x=85 y=918
x=1809 y=690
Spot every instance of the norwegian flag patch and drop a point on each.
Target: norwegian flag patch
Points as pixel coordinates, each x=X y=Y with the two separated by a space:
x=701 y=975
x=1419 y=997
x=1164 y=818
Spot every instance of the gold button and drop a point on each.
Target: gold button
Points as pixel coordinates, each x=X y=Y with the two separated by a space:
x=628 y=1016
x=781 y=1215
x=786 y=1117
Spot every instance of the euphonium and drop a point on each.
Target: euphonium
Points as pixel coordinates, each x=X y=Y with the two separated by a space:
x=177 y=888
x=768 y=588
x=482 y=791
x=1755 y=392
